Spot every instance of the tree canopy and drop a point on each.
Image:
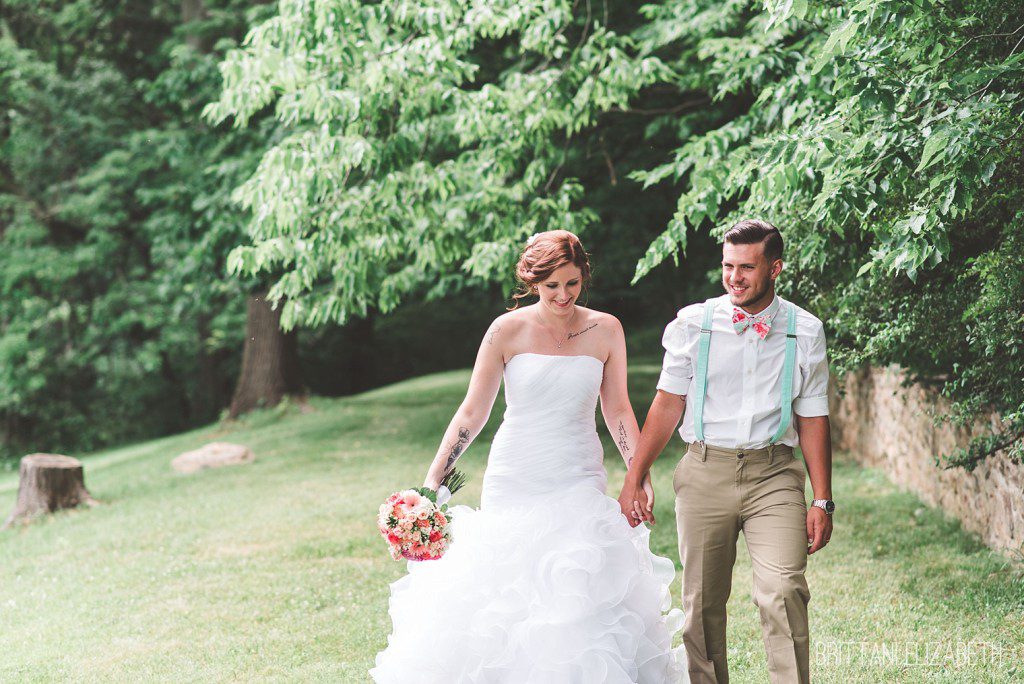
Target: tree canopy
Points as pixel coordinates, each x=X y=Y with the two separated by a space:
x=427 y=139
x=117 y=319
x=361 y=156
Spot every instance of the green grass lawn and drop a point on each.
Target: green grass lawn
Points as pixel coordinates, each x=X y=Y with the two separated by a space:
x=274 y=571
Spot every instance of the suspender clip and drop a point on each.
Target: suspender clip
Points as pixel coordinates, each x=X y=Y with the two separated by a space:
x=703 y=451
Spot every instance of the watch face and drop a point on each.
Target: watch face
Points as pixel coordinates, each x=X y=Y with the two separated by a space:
x=829 y=507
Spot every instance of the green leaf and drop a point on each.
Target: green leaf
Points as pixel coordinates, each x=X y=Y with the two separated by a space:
x=800 y=9
x=935 y=144
x=837 y=41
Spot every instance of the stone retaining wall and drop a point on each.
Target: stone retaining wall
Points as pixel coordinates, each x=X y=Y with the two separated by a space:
x=885 y=425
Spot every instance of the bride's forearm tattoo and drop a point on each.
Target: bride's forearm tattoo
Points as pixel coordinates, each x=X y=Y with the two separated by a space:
x=623 y=443
x=577 y=334
x=455 y=450
x=492 y=332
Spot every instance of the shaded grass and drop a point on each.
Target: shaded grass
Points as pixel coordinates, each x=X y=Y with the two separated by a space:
x=274 y=571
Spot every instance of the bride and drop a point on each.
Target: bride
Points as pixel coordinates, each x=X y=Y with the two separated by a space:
x=547 y=581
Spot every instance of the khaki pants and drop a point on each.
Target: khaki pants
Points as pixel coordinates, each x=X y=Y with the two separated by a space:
x=718 y=493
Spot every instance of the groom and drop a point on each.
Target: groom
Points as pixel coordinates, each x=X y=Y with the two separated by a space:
x=749 y=371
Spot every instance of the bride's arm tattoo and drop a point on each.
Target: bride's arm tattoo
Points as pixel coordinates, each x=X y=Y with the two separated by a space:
x=455 y=450
x=492 y=332
x=577 y=334
x=623 y=443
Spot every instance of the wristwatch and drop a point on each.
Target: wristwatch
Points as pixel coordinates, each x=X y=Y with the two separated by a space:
x=827 y=505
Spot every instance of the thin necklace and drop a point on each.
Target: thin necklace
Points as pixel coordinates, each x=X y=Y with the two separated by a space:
x=558 y=343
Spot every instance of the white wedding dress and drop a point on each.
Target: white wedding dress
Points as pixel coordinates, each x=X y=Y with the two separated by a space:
x=546 y=582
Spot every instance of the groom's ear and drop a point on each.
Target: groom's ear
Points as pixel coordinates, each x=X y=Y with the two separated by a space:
x=776 y=269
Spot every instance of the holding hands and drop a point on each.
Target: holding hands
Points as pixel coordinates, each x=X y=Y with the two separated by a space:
x=637 y=502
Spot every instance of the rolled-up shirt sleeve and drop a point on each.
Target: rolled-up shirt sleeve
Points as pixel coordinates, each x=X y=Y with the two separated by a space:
x=813 y=399
x=677 y=368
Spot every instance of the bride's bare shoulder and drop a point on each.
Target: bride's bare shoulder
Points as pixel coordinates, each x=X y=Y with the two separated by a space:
x=513 y=319
x=506 y=326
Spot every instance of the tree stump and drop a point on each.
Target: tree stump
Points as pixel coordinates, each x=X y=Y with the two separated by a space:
x=49 y=482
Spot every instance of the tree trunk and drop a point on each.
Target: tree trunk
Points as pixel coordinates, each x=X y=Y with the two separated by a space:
x=48 y=482
x=213 y=388
x=193 y=10
x=270 y=360
x=361 y=371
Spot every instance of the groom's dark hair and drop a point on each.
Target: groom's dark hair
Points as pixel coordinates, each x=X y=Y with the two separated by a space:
x=754 y=231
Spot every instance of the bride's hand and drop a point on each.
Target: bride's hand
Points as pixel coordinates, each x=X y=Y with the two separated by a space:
x=649 y=491
x=628 y=503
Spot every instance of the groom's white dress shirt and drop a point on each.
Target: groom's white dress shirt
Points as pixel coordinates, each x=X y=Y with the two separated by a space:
x=743 y=404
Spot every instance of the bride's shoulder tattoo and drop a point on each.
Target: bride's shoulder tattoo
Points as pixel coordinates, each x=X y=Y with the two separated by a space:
x=495 y=329
x=577 y=334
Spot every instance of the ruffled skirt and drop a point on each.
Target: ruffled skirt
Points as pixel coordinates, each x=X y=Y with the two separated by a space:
x=561 y=590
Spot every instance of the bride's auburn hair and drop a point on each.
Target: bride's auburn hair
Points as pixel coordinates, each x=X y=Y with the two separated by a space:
x=545 y=253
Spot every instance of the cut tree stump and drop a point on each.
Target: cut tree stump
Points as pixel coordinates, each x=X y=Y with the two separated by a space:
x=46 y=483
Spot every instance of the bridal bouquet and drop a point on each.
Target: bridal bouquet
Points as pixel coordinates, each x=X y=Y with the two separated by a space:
x=415 y=522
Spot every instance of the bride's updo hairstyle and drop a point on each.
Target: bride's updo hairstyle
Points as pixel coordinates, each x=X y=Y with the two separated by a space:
x=543 y=254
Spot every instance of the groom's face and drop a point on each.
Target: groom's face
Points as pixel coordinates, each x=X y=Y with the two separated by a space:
x=748 y=276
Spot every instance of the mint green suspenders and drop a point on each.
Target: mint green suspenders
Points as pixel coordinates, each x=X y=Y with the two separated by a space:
x=787 y=375
x=701 y=375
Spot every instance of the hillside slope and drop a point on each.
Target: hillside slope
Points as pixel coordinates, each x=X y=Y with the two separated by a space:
x=274 y=571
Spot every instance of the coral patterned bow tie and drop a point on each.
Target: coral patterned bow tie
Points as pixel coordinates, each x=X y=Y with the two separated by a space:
x=741 y=320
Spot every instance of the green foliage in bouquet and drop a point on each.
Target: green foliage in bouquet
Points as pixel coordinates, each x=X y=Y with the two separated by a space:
x=454 y=481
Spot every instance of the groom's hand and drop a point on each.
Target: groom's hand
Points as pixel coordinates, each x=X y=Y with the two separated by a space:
x=819 y=529
x=647 y=510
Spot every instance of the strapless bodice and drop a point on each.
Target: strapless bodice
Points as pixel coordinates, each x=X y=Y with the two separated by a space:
x=548 y=439
x=558 y=388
